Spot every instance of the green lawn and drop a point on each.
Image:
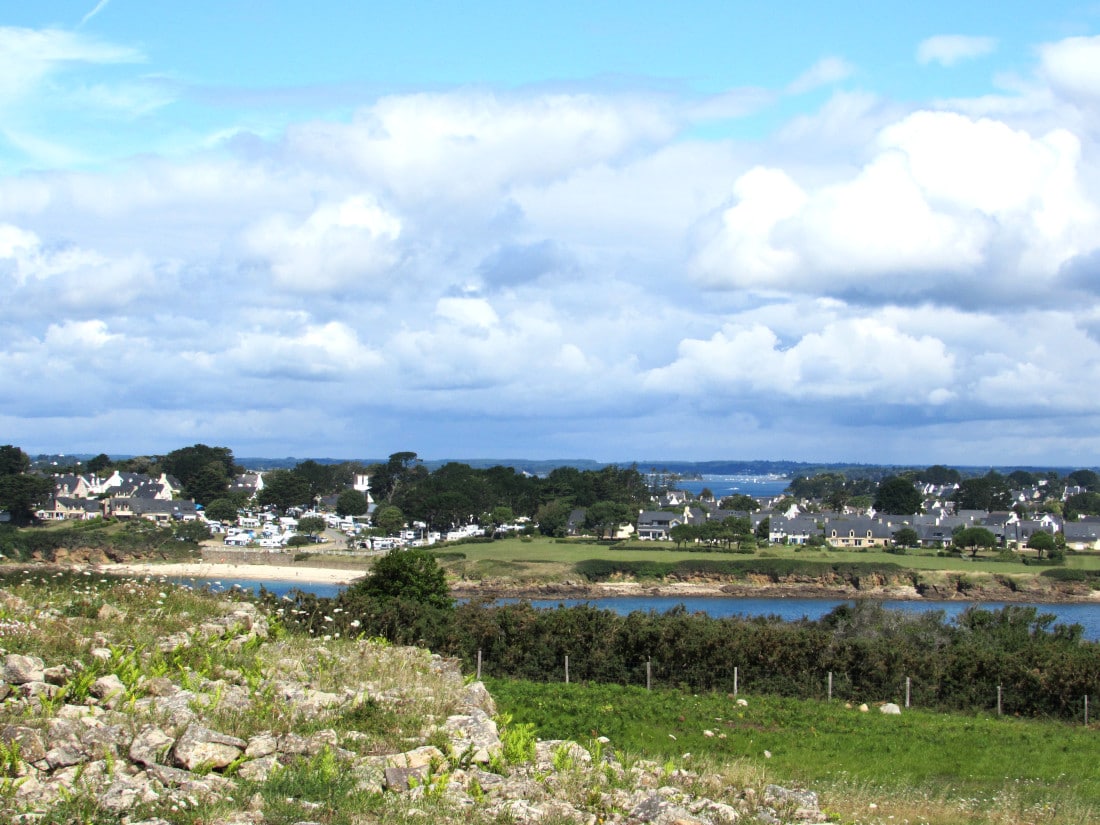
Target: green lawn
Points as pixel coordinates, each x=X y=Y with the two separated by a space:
x=545 y=551
x=933 y=766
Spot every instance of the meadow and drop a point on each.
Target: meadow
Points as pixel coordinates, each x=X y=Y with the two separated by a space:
x=919 y=767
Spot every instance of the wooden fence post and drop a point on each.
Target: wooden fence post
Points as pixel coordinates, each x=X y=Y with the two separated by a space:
x=735 y=680
x=907 y=686
x=998 y=700
x=567 y=669
x=648 y=673
x=830 y=693
x=479 y=664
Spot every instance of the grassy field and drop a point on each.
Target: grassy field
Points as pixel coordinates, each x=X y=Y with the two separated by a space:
x=544 y=558
x=868 y=767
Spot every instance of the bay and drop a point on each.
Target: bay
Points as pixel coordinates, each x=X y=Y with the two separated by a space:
x=731 y=485
x=792 y=609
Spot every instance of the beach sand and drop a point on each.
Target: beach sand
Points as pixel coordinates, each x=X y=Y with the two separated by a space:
x=244 y=572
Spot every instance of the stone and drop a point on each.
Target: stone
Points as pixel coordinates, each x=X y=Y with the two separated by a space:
x=20 y=670
x=150 y=746
x=890 y=709
x=109 y=689
x=476 y=696
x=201 y=747
x=474 y=736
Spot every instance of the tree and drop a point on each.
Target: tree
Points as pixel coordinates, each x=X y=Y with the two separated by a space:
x=22 y=494
x=221 y=509
x=606 y=516
x=1080 y=504
x=990 y=492
x=740 y=502
x=1042 y=542
x=283 y=490
x=98 y=464
x=897 y=496
x=193 y=531
x=208 y=483
x=938 y=474
x=411 y=575
x=311 y=525
x=906 y=537
x=1085 y=478
x=552 y=517
x=186 y=463
x=351 y=503
x=764 y=529
x=319 y=477
x=389 y=519
x=974 y=539
x=13 y=461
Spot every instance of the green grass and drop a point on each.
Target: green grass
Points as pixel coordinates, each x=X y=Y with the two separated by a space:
x=935 y=767
x=545 y=551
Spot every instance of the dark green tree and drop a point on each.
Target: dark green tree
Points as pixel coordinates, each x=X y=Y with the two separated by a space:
x=389 y=519
x=283 y=490
x=98 y=464
x=13 y=461
x=1085 y=478
x=351 y=503
x=906 y=537
x=553 y=516
x=1042 y=542
x=409 y=575
x=23 y=493
x=740 y=502
x=222 y=509
x=208 y=483
x=193 y=531
x=311 y=525
x=186 y=463
x=605 y=517
x=897 y=496
x=974 y=539
x=319 y=477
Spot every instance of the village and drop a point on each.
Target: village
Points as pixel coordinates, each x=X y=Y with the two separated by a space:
x=674 y=515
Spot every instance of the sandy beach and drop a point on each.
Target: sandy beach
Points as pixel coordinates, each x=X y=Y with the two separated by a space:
x=246 y=572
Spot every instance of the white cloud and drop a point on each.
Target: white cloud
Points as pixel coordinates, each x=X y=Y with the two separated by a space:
x=855 y=358
x=465 y=145
x=825 y=72
x=1072 y=67
x=28 y=55
x=943 y=197
x=949 y=49
x=339 y=245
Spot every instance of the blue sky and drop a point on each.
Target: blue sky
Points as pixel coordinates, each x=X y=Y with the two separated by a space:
x=634 y=231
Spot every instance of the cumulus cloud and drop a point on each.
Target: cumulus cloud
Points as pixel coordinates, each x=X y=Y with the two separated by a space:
x=1072 y=67
x=478 y=143
x=949 y=49
x=943 y=200
x=338 y=245
x=860 y=358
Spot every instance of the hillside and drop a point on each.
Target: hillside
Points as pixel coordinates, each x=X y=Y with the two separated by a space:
x=131 y=700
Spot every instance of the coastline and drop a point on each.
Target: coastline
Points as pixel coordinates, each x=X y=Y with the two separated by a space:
x=505 y=588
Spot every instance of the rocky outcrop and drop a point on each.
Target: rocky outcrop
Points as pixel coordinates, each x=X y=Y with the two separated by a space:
x=133 y=742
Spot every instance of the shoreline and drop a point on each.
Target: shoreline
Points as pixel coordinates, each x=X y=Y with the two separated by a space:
x=497 y=588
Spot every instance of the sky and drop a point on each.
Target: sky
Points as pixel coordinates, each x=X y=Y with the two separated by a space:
x=614 y=231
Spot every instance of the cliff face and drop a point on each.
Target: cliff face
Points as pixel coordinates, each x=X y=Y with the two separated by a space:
x=200 y=710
